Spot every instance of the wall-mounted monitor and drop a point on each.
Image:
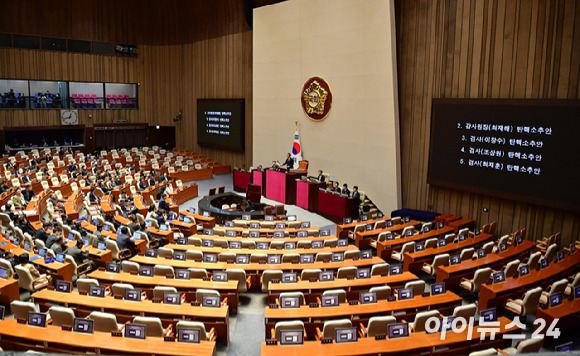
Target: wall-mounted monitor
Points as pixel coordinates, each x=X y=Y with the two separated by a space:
x=221 y=123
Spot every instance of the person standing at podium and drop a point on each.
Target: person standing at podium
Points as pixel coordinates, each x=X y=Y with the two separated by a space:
x=289 y=163
x=320 y=177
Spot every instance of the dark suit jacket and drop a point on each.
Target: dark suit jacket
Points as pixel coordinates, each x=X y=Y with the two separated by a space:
x=79 y=256
x=356 y=195
x=345 y=192
x=289 y=162
x=50 y=240
x=124 y=242
x=321 y=178
x=41 y=235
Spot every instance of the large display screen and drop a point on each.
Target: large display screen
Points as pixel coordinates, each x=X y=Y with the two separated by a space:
x=517 y=149
x=221 y=123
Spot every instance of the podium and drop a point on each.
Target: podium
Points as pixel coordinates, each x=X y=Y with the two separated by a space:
x=336 y=206
x=307 y=193
x=241 y=180
x=259 y=179
x=281 y=185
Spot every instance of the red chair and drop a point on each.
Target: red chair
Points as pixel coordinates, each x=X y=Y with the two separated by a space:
x=114 y=96
x=74 y=96
x=97 y=102
x=81 y=96
x=126 y=96
x=130 y=102
x=93 y=96
x=108 y=96
x=77 y=103
x=118 y=102
x=84 y=102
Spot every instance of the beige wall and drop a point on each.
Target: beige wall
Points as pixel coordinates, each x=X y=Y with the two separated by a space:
x=351 y=44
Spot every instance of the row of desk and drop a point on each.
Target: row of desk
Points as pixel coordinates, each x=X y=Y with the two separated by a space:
x=418 y=343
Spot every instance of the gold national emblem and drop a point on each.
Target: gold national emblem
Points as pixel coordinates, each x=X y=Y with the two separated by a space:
x=316 y=98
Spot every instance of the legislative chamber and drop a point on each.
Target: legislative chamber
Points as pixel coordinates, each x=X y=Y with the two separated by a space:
x=289 y=177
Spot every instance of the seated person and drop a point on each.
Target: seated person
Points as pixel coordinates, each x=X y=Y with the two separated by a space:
x=93 y=196
x=126 y=242
x=160 y=217
x=58 y=246
x=79 y=255
x=24 y=261
x=41 y=233
x=336 y=188
x=9 y=256
x=345 y=190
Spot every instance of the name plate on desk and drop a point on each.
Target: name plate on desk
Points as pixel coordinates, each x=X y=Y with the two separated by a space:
x=168 y=338
x=116 y=333
x=271 y=342
x=380 y=337
x=326 y=341
x=206 y=279
x=273 y=306
x=312 y=280
x=194 y=304
x=66 y=328
x=314 y=305
x=275 y=281
x=353 y=302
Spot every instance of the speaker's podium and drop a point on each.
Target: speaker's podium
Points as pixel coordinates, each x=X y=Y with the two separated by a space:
x=281 y=184
x=307 y=193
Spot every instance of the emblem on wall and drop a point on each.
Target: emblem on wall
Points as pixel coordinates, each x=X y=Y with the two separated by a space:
x=316 y=98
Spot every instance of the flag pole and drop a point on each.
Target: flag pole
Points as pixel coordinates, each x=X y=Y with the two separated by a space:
x=296 y=123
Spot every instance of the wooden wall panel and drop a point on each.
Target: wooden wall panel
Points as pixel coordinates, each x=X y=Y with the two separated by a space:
x=188 y=49
x=482 y=49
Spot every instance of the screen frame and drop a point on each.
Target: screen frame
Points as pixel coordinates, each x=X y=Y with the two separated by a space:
x=243 y=128
x=506 y=195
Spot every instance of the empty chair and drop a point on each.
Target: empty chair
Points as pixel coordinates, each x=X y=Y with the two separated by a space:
x=380 y=225
x=203 y=333
x=290 y=257
x=105 y=322
x=286 y=325
x=258 y=257
x=467 y=254
x=163 y=270
x=556 y=287
x=329 y=327
x=351 y=254
x=308 y=274
x=418 y=325
x=357 y=228
x=431 y=243
x=249 y=244
x=345 y=272
x=382 y=237
x=524 y=347
x=481 y=276
x=275 y=245
x=8 y=266
x=321 y=256
x=425 y=226
x=26 y=281
x=240 y=276
x=220 y=243
x=226 y=257
x=119 y=288
x=488 y=247
x=340 y=292
x=377 y=325
x=269 y=275
x=418 y=286
x=164 y=252
x=130 y=266
x=550 y=252
x=201 y=292
x=399 y=256
x=534 y=260
x=408 y=228
x=195 y=241
x=84 y=284
x=330 y=242
x=449 y=238
x=383 y=292
x=158 y=291
x=575 y=283
x=439 y=260
x=527 y=305
x=379 y=269
x=193 y=255
x=21 y=309
x=300 y=296
x=153 y=328
x=511 y=268
x=465 y=311
x=197 y=272
x=61 y=316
